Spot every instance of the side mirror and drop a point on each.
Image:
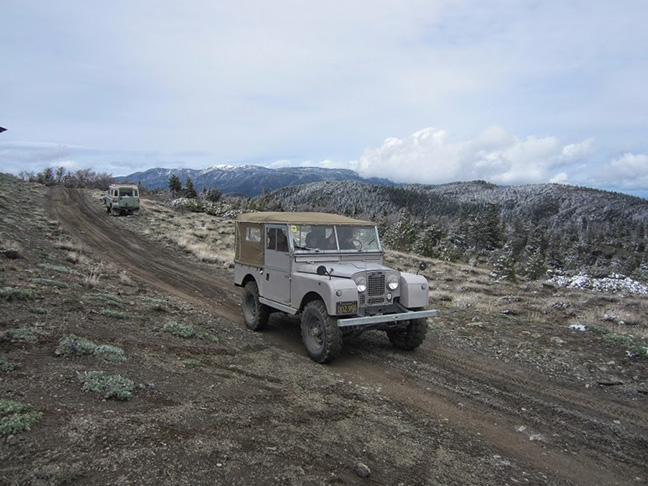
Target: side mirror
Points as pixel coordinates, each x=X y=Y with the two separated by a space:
x=422 y=266
x=321 y=270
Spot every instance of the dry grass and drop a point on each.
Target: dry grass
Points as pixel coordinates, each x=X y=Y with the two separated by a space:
x=206 y=238
x=92 y=279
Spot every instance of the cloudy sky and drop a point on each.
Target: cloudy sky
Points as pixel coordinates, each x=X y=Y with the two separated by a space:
x=430 y=91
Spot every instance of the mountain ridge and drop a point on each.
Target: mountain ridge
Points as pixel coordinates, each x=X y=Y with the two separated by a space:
x=554 y=225
x=248 y=180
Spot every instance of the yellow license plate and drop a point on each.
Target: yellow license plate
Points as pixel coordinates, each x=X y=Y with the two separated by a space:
x=346 y=308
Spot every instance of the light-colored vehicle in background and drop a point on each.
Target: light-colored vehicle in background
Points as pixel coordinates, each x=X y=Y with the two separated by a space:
x=122 y=199
x=329 y=270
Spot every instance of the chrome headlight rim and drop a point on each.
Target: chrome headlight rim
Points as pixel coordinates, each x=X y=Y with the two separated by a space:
x=361 y=284
x=393 y=282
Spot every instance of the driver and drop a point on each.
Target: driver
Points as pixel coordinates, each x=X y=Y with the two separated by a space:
x=346 y=238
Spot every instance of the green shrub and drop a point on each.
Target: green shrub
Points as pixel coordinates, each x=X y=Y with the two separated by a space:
x=16 y=417
x=614 y=339
x=26 y=334
x=107 y=299
x=109 y=386
x=192 y=363
x=110 y=353
x=75 y=346
x=638 y=350
x=7 y=366
x=600 y=330
x=180 y=330
x=208 y=337
x=114 y=314
x=185 y=331
x=10 y=294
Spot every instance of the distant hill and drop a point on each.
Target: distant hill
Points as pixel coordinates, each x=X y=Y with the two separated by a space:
x=249 y=180
x=547 y=225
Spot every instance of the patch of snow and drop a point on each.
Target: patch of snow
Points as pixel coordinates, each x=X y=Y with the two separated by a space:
x=612 y=284
x=578 y=327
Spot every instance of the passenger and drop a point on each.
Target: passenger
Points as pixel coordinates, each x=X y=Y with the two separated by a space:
x=330 y=243
x=282 y=241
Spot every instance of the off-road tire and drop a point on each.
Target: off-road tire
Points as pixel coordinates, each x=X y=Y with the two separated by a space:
x=320 y=333
x=411 y=337
x=255 y=314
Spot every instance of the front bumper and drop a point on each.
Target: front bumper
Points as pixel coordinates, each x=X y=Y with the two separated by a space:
x=385 y=318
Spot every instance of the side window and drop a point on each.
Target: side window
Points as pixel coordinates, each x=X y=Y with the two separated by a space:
x=253 y=234
x=276 y=239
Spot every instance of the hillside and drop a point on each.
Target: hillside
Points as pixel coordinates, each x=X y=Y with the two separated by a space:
x=123 y=360
x=549 y=225
x=249 y=180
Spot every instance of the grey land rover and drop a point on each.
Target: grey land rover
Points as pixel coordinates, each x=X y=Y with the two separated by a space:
x=329 y=269
x=122 y=199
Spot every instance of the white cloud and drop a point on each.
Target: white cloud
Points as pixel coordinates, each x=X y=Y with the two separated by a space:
x=495 y=155
x=143 y=83
x=325 y=164
x=629 y=171
x=561 y=178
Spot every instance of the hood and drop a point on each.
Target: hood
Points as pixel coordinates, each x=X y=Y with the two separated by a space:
x=343 y=270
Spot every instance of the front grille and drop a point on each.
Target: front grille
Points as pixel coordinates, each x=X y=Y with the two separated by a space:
x=376 y=284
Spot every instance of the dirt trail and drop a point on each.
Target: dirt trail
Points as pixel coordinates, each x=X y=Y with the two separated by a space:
x=571 y=435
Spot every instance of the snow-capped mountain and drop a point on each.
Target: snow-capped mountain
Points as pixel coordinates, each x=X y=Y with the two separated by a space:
x=249 y=180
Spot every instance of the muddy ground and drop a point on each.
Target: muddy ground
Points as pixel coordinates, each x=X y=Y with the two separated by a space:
x=501 y=392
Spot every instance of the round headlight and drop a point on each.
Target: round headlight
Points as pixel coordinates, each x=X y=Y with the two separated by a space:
x=392 y=282
x=361 y=284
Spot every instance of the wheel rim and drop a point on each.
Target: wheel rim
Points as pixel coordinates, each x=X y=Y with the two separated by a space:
x=314 y=333
x=250 y=307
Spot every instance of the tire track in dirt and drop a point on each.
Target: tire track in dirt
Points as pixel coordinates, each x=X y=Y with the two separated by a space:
x=479 y=395
x=543 y=410
x=87 y=222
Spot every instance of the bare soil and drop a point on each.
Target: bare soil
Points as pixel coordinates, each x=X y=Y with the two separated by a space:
x=501 y=392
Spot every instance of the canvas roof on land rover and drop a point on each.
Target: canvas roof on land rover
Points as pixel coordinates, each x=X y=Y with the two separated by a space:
x=249 y=239
x=301 y=218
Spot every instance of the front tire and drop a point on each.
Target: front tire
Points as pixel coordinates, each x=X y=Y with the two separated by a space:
x=320 y=333
x=255 y=314
x=411 y=337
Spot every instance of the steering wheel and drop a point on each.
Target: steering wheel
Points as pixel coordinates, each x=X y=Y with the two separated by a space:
x=357 y=243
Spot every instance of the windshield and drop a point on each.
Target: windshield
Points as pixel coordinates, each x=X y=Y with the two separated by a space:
x=329 y=238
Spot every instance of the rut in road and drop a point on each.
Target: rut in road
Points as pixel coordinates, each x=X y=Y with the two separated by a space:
x=580 y=437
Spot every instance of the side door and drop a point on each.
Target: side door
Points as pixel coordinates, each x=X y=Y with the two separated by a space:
x=277 y=267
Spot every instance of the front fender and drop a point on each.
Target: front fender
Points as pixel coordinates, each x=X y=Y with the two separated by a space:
x=414 y=291
x=303 y=286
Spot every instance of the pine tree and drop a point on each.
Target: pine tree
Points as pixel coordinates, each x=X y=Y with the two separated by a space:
x=213 y=195
x=535 y=265
x=486 y=232
x=174 y=184
x=427 y=242
x=402 y=235
x=504 y=267
x=190 y=192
